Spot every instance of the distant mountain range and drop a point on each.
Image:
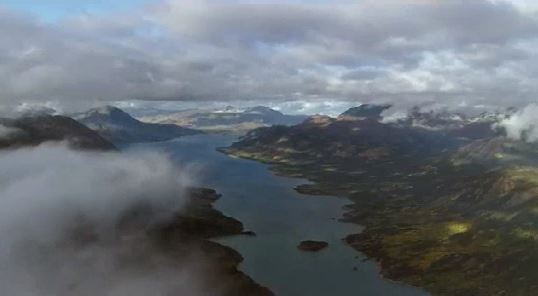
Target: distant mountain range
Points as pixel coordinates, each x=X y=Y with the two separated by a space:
x=119 y=127
x=226 y=120
x=96 y=129
x=360 y=130
x=32 y=130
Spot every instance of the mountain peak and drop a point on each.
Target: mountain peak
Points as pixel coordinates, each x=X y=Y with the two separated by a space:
x=31 y=130
x=118 y=126
x=109 y=114
x=108 y=110
x=365 y=111
x=263 y=110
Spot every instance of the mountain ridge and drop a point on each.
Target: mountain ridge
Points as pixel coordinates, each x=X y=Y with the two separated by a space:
x=118 y=126
x=34 y=130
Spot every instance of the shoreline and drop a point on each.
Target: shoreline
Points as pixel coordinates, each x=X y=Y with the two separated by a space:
x=278 y=169
x=202 y=223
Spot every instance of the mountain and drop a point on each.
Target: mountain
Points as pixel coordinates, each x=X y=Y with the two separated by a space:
x=34 y=130
x=229 y=119
x=498 y=150
x=453 y=124
x=359 y=131
x=366 y=111
x=447 y=202
x=324 y=137
x=119 y=127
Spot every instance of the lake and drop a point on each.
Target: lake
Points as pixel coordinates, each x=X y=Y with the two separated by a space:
x=281 y=218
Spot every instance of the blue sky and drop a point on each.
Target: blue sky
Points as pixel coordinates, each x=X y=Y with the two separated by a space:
x=56 y=9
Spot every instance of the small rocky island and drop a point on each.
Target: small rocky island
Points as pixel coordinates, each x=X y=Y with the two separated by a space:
x=312 y=246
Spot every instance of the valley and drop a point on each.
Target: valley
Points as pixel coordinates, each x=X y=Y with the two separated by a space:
x=269 y=148
x=434 y=200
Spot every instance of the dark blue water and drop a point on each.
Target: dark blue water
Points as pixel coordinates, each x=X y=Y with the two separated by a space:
x=281 y=218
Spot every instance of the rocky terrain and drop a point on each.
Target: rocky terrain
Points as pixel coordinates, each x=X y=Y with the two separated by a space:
x=448 y=204
x=228 y=120
x=119 y=127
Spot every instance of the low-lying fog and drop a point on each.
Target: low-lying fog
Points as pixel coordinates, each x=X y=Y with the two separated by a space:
x=50 y=194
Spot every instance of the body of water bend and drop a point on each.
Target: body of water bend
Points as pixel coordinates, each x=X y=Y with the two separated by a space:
x=282 y=218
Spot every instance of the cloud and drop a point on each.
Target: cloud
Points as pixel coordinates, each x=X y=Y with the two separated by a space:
x=402 y=52
x=49 y=193
x=522 y=125
x=6 y=132
x=329 y=107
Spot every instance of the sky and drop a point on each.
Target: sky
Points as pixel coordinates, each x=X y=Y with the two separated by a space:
x=290 y=54
x=54 y=10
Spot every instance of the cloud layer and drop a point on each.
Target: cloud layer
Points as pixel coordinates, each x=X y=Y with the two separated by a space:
x=50 y=193
x=7 y=132
x=522 y=125
x=404 y=52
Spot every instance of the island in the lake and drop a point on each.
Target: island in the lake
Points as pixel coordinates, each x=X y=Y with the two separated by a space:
x=312 y=246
